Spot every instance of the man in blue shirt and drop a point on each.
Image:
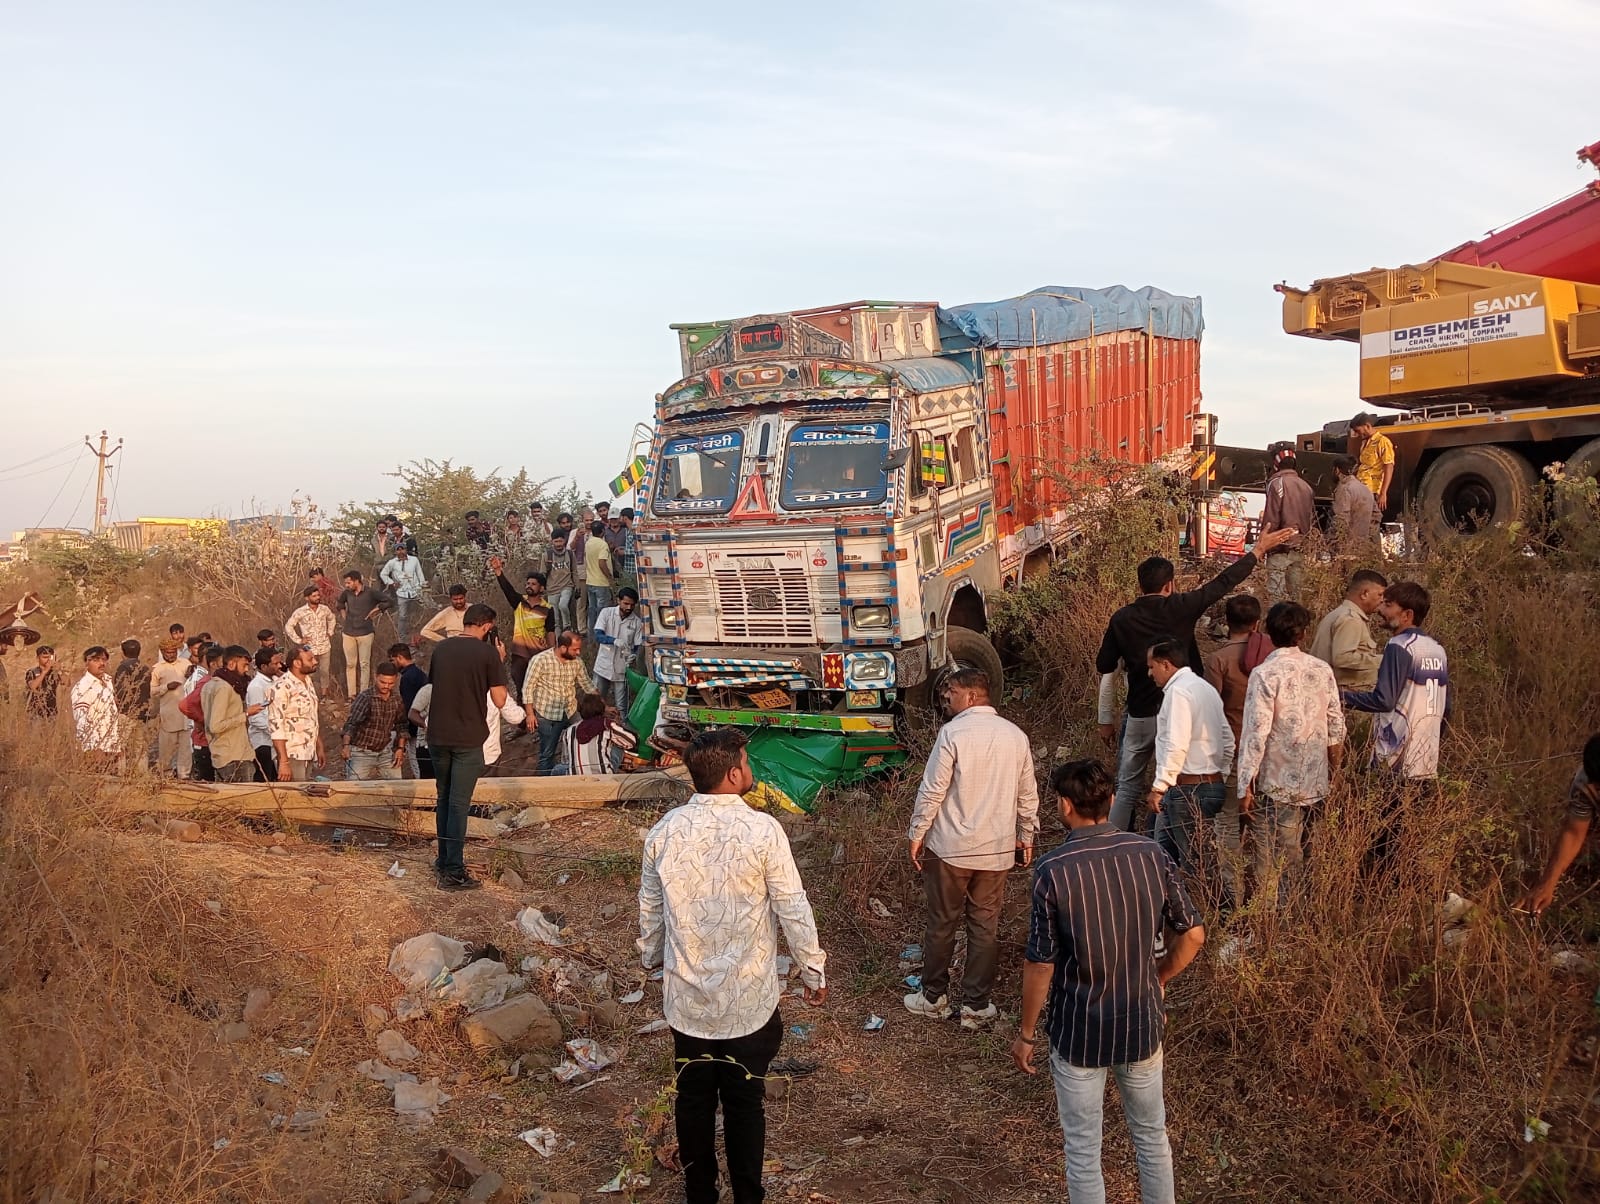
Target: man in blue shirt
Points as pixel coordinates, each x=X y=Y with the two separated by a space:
x=1100 y=902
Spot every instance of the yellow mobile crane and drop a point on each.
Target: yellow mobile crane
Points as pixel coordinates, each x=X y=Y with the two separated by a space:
x=1491 y=353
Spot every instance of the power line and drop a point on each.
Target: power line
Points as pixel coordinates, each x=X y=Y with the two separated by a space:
x=65 y=447
x=77 y=505
x=59 y=488
x=23 y=476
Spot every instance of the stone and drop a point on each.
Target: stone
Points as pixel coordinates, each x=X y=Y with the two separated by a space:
x=777 y=1088
x=420 y=1196
x=609 y=911
x=512 y=880
x=555 y=1197
x=183 y=830
x=236 y=1031
x=256 y=1001
x=278 y=850
x=489 y=1188
x=520 y=1023
x=457 y=1166
x=392 y=1047
x=605 y=1014
x=153 y=823
x=374 y=1018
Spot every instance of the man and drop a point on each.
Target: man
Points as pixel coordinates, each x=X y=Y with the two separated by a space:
x=1292 y=737
x=478 y=532
x=1356 y=520
x=1374 y=458
x=599 y=740
x=412 y=679
x=1194 y=750
x=620 y=634
x=294 y=722
x=619 y=542
x=43 y=684
x=1158 y=612
x=406 y=581
x=176 y=632
x=375 y=730
x=222 y=702
x=532 y=622
x=380 y=540
x=399 y=537
x=465 y=668
x=266 y=640
x=1583 y=799
x=1290 y=504
x=312 y=625
x=1344 y=637
x=132 y=683
x=550 y=692
x=715 y=875
x=357 y=607
x=1412 y=696
x=173 y=751
x=324 y=585
x=1101 y=900
x=94 y=712
x=537 y=532
x=976 y=814
x=559 y=582
x=257 y=705
x=447 y=622
x=597 y=573
x=577 y=535
x=207 y=659
x=1228 y=671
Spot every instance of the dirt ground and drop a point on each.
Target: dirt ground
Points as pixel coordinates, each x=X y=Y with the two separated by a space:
x=920 y=1111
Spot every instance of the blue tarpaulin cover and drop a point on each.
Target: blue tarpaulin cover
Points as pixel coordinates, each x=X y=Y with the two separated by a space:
x=925 y=375
x=1057 y=314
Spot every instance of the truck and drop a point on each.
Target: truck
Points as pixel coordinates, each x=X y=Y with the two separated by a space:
x=834 y=497
x=1490 y=352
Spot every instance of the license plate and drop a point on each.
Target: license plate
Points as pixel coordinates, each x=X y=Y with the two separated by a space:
x=677 y=693
x=857 y=700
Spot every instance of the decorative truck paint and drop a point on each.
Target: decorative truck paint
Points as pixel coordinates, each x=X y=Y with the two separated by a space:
x=831 y=491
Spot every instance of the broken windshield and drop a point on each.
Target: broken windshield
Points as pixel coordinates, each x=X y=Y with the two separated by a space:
x=699 y=473
x=835 y=463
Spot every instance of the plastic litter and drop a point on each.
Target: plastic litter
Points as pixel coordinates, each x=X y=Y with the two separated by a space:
x=531 y=963
x=541 y=1140
x=633 y=997
x=1569 y=962
x=914 y=981
x=397 y=870
x=626 y=1180
x=214 y=906
x=801 y=1032
x=878 y=909
x=483 y=984
x=874 y=1024
x=1455 y=908
x=563 y=879
x=587 y=1053
x=419 y=1102
x=420 y=960
x=536 y=926
x=1534 y=1129
x=221 y=1143
x=381 y=1072
x=275 y=1077
x=393 y=1047
x=407 y=1008
x=295 y=1051
x=785 y=964
x=648 y=1030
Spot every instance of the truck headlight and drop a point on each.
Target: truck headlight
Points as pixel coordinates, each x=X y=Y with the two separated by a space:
x=869 y=618
x=667 y=615
x=867 y=668
x=670 y=668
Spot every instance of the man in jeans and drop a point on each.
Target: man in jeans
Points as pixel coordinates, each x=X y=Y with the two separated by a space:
x=1158 y=612
x=716 y=881
x=1290 y=739
x=1100 y=902
x=550 y=692
x=598 y=575
x=620 y=634
x=1290 y=504
x=357 y=606
x=976 y=815
x=406 y=581
x=1228 y=670
x=294 y=722
x=312 y=625
x=222 y=702
x=464 y=671
x=375 y=730
x=1194 y=751
x=559 y=581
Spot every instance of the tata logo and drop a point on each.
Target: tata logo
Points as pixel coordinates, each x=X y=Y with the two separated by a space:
x=1496 y=305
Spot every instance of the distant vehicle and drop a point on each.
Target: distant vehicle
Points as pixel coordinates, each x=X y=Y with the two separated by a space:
x=835 y=496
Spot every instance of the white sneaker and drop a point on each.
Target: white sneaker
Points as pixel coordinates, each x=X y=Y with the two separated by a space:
x=921 y=1005
x=972 y=1020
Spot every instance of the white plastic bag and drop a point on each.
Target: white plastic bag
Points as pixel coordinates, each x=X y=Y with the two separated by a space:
x=420 y=960
x=534 y=925
x=481 y=985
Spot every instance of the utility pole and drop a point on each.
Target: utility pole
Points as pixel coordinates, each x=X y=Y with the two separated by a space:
x=103 y=458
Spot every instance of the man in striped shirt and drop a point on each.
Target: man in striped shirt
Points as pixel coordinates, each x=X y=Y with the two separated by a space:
x=1100 y=902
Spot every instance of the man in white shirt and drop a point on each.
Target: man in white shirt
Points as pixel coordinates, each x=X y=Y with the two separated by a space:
x=716 y=880
x=312 y=627
x=94 y=711
x=448 y=622
x=620 y=634
x=1291 y=737
x=976 y=816
x=1194 y=750
x=173 y=751
x=257 y=702
x=406 y=580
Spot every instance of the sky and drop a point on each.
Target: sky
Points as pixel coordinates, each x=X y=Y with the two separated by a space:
x=280 y=249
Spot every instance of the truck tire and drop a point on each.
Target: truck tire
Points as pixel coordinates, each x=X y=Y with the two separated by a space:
x=1469 y=489
x=1585 y=462
x=972 y=649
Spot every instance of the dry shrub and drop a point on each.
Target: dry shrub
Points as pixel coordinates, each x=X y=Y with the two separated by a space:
x=113 y=979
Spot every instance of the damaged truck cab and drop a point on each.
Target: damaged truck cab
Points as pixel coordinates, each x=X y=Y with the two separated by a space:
x=834 y=496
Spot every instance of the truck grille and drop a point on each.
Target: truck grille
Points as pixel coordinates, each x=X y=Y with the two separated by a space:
x=758 y=605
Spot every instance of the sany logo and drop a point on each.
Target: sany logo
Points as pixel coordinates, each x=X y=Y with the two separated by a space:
x=1497 y=305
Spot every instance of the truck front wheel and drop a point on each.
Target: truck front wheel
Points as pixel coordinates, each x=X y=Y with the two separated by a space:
x=972 y=649
x=1470 y=489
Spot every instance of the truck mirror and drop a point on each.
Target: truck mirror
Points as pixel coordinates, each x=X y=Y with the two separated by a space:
x=896 y=459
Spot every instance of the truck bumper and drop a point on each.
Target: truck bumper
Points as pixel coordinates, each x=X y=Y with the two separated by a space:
x=799 y=721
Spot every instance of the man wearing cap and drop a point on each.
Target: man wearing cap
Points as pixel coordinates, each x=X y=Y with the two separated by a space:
x=1290 y=505
x=1374 y=458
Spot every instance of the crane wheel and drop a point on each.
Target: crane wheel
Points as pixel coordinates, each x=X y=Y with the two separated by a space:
x=1585 y=462
x=1471 y=489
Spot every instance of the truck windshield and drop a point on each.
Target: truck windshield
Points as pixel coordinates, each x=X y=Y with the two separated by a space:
x=835 y=463
x=699 y=473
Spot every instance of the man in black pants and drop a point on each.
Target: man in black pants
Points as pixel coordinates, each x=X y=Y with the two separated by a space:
x=715 y=874
x=465 y=672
